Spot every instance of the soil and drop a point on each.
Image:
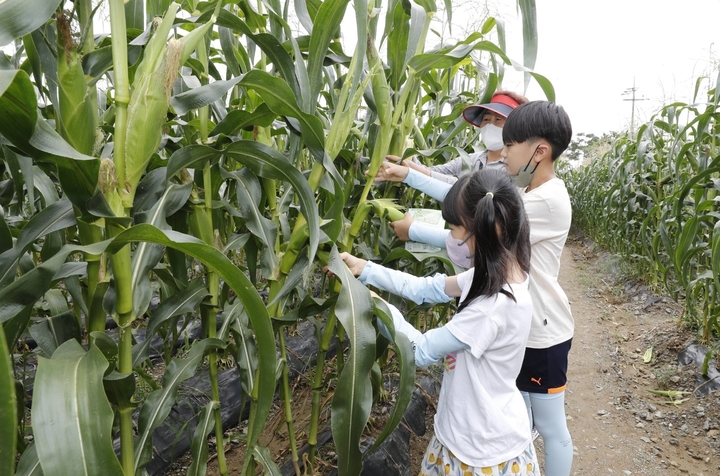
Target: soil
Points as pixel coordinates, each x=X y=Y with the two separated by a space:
x=627 y=341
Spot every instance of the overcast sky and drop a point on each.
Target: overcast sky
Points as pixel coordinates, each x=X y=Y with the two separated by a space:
x=592 y=52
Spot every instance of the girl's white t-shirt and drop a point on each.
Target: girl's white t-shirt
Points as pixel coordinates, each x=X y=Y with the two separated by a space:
x=481 y=416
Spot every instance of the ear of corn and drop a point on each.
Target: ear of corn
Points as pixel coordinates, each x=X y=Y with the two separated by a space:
x=383 y=105
x=295 y=245
x=361 y=212
x=149 y=102
x=387 y=208
x=77 y=118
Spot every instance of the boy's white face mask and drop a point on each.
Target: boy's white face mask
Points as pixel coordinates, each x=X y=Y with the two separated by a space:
x=492 y=137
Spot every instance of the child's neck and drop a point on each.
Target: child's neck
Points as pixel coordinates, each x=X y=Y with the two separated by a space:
x=515 y=275
x=544 y=173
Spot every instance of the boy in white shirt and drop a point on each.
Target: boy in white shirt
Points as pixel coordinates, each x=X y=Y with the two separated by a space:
x=535 y=134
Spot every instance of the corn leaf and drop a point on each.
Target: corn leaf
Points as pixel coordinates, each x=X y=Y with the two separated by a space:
x=530 y=34
x=406 y=362
x=146 y=257
x=329 y=15
x=193 y=156
x=183 y=302
x=158 y=404
x=22 y=126
x=270 y=45
x=279 y=98
x=56 y=216
x=20 y=17
x=72 y=421
x=353 y=395
x=399 y=29
x=29 y=464
x=269 y=163
x=54 y=331
x=244 y=290
x=236 y=120
x=245 y=351
x=199 y=445
x=249 y=194
x=8 y=415
x=270 y=467
x=201 y=96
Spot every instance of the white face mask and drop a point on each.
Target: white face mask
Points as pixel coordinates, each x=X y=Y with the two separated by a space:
x=492 y=137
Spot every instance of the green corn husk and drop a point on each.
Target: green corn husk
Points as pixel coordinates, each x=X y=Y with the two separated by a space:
x=149 y=102
x=383 y=104
x=387 y=208
x=77 y=118
x=361 y=212
x=296 y=243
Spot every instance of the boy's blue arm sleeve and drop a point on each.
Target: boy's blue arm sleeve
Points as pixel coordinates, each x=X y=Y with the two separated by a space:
x=429 y=347
x=428 y=234
x=419 y=290
x=429 y=186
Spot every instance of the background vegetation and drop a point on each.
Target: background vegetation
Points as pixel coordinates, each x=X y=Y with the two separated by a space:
x=653 y=200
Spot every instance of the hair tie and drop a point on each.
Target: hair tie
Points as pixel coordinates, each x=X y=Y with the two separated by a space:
x=491 y=195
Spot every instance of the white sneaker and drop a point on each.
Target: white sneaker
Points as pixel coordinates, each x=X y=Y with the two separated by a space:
x=534 y=433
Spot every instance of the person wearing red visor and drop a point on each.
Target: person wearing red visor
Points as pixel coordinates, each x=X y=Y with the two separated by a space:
x=490 y=118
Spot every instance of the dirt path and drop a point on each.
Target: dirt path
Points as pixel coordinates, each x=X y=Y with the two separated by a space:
x=618 y=427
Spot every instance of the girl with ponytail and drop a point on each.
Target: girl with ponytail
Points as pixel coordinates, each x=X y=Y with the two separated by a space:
x=481 y=424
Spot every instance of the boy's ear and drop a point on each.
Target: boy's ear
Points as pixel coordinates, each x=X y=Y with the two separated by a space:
x=544 y=152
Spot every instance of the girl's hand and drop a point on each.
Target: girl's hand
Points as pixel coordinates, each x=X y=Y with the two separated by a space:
x=356 y=265
x=420 y=168
x=391 y=172
x=402 y=227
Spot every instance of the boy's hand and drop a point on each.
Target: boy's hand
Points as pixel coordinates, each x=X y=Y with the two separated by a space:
x=356 y=265
x=391 y=172
x=402 y=227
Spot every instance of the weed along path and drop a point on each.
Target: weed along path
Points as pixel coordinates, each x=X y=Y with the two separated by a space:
x=626 y=345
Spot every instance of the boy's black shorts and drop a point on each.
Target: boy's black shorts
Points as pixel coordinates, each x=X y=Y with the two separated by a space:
x=544 y=370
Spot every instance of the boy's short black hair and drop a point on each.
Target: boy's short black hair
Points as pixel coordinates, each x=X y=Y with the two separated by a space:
x=539 y=120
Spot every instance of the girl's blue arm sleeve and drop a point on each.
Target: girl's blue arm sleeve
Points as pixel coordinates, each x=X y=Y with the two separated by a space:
x=429 y=347
x=428 y=234
x=419 y=290
x=431 y=187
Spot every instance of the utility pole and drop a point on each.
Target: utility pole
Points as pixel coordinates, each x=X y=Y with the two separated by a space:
x=632 y=115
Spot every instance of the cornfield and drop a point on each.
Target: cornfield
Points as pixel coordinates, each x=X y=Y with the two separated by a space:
x=200 y=165
x=653 y=200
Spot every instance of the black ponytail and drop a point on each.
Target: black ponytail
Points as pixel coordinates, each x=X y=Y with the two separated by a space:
x=489 y=206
